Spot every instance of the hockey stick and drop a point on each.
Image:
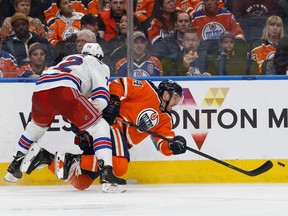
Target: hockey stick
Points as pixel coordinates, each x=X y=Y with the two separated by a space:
x=261 y=169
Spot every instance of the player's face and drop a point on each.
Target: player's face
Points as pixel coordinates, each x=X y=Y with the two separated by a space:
x=183 y=22
x=37 y=57
x=23 y=7
x=175 y=100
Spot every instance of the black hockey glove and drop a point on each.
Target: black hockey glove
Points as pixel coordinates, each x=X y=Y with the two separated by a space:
x=112 y=109
x=178 y=145
x=83 y=139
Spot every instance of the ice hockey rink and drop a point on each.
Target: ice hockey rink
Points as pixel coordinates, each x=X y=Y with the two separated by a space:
x=166 y=200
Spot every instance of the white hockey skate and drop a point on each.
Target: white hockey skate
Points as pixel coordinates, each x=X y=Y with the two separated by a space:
x=36 y=157
x=67 y=165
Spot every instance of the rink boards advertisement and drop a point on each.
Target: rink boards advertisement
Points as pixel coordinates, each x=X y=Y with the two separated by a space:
x=241 y=121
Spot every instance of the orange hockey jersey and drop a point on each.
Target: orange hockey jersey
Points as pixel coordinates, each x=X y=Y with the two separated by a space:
x=87 y=6
x=211 y=27
x=262 y=53
x=8 y=65
x=146 y=113
x=144 y=9
x=155 y=31
x=63 y=28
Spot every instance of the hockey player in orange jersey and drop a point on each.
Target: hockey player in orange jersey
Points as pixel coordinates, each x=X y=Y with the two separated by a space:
x=139 y=102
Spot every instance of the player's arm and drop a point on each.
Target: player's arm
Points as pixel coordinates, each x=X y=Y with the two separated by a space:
x=177 y=145
x=100 y=92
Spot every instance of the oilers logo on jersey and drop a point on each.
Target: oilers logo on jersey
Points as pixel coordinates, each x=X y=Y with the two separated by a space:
x=69 y=31
x=212 y=30
x=148 y=119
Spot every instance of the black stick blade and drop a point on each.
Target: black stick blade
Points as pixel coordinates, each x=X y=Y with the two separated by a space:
x=263 y=168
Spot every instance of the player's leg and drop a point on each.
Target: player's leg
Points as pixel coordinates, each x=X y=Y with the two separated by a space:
x=83 y=114
x=41 y=119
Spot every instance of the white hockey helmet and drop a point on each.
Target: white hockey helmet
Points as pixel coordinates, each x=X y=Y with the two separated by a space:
x=93 y=49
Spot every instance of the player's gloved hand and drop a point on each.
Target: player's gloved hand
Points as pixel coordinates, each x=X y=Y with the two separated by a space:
x=178 y=145
x=83 y=139
x=112 y=109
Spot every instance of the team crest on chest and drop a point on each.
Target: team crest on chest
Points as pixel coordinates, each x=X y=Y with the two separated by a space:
x=148 y=118
x=69 y=31
x=212 y=30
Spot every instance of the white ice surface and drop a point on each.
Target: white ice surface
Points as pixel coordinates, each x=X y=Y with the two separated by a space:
x=148 y=200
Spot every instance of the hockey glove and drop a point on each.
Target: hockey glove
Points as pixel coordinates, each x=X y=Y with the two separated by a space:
x=178 y=145
x=83 y=139
x=112 y=109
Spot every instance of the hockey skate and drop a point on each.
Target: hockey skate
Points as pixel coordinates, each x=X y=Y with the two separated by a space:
x=14 y=172
x=36 y=158
x=110 y=183
x=66 y=165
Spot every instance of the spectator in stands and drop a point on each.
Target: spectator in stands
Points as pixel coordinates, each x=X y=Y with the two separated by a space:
x=192 y=6
x=35 y=25
x=7 y=9
x=163 y=20
x=8 y=64
x=90 y=21
x=144 y=10
x=144 y=64
x=283 y=12
x=84 y=36
x=109 y=20
x=75 y=43
x=272 y=33
x=104 y=5
x=211 y=22
x=17 y=44
x=254 y=8
x=186 y=61
x=229 y=60
x=279 y=65
x=37 y=54
x=172 y=45
x=66 y=25
x=51 y=10
x=116 y=48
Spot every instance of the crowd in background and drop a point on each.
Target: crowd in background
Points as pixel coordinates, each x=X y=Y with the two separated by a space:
x=170 y=37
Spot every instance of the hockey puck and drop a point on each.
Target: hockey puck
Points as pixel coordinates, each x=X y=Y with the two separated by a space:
x=281 y=164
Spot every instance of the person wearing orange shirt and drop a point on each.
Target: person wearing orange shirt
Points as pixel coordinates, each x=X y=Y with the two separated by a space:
x=8 y=64
x=109 y=20
x=37 y=54
x=192 y=6
x=163 y=20
x=272 y=32
x=138 y=102
x=66 y=25
x=51 y=10
x=211 y=22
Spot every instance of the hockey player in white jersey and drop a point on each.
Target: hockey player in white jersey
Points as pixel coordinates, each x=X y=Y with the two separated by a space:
x=64 y=90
